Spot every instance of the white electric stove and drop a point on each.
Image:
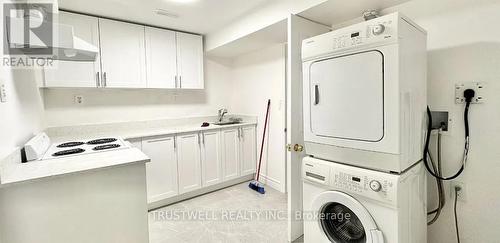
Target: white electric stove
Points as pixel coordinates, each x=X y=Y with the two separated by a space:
x=41 y=148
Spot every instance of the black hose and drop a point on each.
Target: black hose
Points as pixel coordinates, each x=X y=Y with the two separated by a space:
x=427 y=140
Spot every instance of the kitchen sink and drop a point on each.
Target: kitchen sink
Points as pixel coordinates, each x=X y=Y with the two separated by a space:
x=222 y=123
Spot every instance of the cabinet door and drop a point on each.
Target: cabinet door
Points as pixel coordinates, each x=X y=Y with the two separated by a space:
x=188 y=152
x=190 y=61
x=211 y=165
x=123 y=54
x=161 y=172
x=230 y=154
x=136 y=143
x=76 y=74
x=161 y=58
x=248 y=150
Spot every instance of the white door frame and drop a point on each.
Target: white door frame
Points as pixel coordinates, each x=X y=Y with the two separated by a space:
x=298 y=29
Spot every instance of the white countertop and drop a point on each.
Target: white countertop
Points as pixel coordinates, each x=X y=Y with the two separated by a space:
x=13 y=171
x=141 y=129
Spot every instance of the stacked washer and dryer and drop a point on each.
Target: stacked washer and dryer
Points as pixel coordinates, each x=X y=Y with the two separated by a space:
x=364 y=126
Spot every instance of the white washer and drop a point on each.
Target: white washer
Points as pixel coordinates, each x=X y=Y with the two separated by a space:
x=346 y=204
x=365 y=94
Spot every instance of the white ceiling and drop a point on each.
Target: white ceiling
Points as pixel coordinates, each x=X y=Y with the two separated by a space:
x=198 y=16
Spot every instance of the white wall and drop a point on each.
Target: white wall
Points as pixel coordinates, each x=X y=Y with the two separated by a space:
x=120 y=105
x=22 y=115
x=257 y=77
x=464 y=46
x=256 y=20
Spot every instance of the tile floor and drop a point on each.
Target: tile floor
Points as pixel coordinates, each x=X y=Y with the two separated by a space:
x=227 y=215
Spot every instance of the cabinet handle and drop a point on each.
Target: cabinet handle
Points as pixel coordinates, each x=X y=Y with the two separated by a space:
x=242 y=134
x=98 y=79
x=175 y=142
x=203 y=137
x=158 y=140
x=239 y=133
x=175 y=81
x=180 y=82
x=105 y=79
x=199 y=139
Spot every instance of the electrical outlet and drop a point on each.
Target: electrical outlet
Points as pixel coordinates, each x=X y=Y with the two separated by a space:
x=79 y=99
x=462 y=194
x=476 y=86
x=3 y=93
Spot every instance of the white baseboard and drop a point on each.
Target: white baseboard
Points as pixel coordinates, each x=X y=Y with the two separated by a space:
x=275 y=184
x=189 y=195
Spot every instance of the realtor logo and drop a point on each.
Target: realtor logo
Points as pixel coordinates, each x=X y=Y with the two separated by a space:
x=29 y=25
x=29 y=30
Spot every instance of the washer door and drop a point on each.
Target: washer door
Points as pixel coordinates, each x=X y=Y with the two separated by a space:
x=344 y=220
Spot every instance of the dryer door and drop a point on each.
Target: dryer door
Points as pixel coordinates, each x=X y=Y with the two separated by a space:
x=347 y=96
x=344 y=220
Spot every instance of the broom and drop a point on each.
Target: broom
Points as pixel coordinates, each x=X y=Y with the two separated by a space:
x=255 y=184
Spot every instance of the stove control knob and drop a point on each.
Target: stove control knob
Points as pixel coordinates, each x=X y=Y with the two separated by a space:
x=378 y=29
x=375 y=186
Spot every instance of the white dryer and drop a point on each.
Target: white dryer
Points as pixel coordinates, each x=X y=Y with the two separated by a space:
x=346 y=204
x=365 y=94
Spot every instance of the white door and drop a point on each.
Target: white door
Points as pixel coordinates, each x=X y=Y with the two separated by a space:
x=71 y=73
x=123 y=54
x=188 y=152
x=161 y=58
x=298 y=30
x=248 y=150
x=190 y=61
x=161 y=172
x=337 y=81
x=230 y=153
x=211 y=161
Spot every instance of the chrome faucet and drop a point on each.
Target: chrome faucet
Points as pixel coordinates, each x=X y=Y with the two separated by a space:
x=222 y=112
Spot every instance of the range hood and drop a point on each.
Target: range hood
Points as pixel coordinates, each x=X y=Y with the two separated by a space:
x=65 y=45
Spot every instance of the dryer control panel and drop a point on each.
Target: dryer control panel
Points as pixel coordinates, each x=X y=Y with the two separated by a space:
x=379 y=31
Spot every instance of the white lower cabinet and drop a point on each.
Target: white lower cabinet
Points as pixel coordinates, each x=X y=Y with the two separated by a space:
x=161 y=172
x=248 y=150
x=211 y=162
x=188 y=154
x=230 y=153
x=187 y=162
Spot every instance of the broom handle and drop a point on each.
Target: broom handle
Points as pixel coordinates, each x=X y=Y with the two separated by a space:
x=263 y=139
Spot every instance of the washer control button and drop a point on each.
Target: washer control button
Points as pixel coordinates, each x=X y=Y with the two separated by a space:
x=375 y=186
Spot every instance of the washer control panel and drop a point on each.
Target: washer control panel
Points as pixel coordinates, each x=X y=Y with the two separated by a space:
x=372 y=186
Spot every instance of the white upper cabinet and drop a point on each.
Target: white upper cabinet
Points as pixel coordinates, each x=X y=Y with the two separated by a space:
x=123 y=54
x=161 y=62
x=248 y=150
x=190 y=61
x=71 y=73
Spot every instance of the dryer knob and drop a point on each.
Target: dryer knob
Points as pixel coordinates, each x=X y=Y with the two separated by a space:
x=375 y=186
x=378 y=29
